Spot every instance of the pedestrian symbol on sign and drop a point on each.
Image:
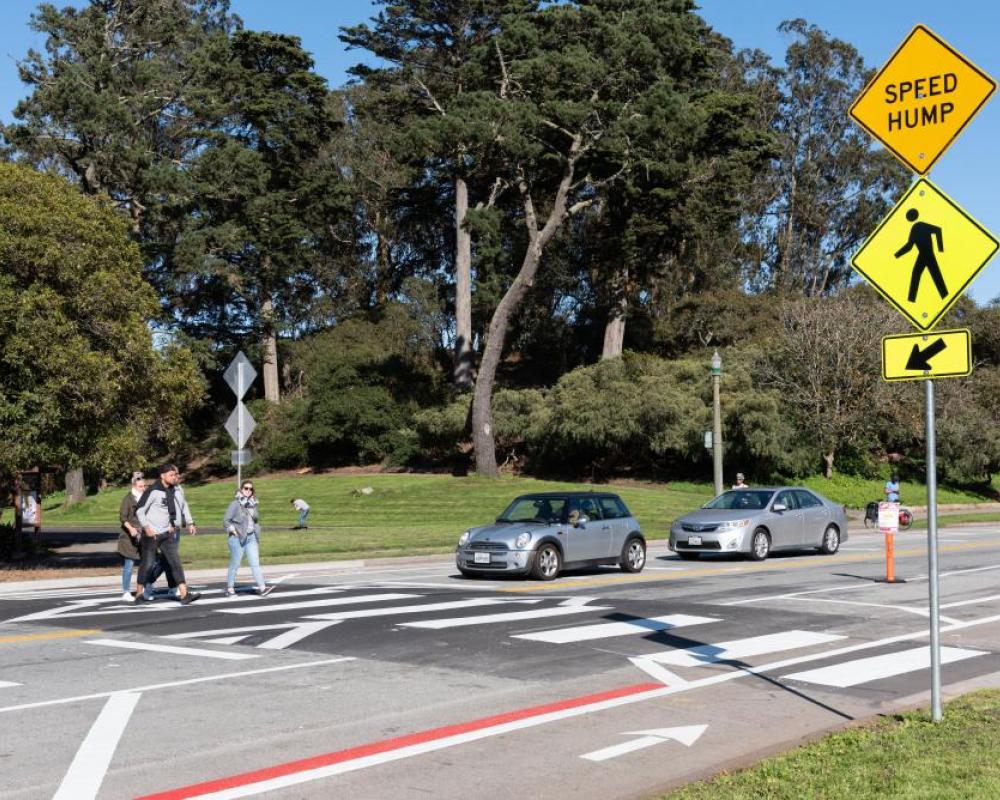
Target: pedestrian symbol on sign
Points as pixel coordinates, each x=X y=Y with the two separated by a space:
x=922 y=236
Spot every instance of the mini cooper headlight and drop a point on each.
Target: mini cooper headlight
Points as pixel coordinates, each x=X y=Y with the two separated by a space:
x=464 y=538
x=522 y=541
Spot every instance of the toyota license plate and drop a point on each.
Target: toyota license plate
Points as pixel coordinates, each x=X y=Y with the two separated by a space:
x=692 y=540
x=482 y=558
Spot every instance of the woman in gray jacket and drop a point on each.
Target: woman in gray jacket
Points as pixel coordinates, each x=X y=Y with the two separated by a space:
x=242 y=523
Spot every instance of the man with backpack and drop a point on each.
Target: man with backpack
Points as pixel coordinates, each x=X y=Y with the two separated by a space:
x=163 y=511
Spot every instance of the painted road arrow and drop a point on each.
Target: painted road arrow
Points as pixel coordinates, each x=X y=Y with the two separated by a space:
x=686 y=735
x=921 y=359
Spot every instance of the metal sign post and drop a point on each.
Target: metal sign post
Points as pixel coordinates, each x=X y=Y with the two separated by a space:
x=932 y=554
x=240 y=374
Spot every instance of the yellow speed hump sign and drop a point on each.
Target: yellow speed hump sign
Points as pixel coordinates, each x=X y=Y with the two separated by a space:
x=924 y=254
x=922 y=98
x=918 y=356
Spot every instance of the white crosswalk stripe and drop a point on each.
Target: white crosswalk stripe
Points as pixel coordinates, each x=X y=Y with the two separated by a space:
x=418 y=609
x=269 y=608
x=741 y=648
x=874 y=668
x=510 y=616
x=606 y=630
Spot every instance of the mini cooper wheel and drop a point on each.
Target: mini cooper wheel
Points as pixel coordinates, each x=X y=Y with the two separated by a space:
x=547 y=563
x=633 y=555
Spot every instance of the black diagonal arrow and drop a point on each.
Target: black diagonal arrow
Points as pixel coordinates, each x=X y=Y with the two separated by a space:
x=920 y=359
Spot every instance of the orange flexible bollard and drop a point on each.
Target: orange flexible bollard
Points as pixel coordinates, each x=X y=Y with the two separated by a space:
x=890 y=567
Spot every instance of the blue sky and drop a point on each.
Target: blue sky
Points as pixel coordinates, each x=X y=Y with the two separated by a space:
x=967 y=171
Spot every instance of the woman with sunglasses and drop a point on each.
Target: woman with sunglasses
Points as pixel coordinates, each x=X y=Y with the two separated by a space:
x=242 y=522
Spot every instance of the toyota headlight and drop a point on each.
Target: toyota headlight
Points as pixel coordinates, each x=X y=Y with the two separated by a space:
x=522 y=541
x=464 y=538
x=734 y=524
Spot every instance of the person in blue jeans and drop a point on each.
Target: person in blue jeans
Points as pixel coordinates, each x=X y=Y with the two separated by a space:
x=130 y=537
x=242 y=522
x=302 y=507
x=892 y=489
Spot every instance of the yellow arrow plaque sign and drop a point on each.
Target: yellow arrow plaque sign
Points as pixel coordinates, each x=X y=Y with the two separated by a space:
x=924 y=254
x=922 y=98
x=918 y=356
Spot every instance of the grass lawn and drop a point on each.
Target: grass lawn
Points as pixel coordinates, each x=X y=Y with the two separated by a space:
x=900 y=757
x=405 y=514
x=409 y=514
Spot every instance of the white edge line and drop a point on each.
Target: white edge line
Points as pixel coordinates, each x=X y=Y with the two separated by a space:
x=156 y=686
x=86 y=773
x=172 y=649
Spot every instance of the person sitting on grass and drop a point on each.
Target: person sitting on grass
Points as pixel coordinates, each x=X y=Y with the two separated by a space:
x=302 y=507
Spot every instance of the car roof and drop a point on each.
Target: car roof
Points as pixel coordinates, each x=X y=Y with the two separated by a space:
x=556 y=495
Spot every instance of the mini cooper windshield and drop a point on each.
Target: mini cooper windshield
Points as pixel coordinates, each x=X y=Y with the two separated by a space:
x=543 y=510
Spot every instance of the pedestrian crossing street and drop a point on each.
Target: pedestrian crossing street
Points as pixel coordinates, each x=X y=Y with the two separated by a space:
x=579 y=632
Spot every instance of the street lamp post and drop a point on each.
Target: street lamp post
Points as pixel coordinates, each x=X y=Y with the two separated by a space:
x=716 y=423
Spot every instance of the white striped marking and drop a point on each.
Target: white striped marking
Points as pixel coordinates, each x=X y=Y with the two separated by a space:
x=741 y=648
x=423 y=609
x=59 y=701
x=606 y=630
x=8 y=684
x=866 y=670
x=294 y=632
x=90 y=764
x=167 y=648
x=510 y=616
x=336 y=601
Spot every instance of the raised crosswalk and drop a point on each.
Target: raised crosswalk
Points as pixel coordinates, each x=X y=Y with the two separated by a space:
x=674 y=648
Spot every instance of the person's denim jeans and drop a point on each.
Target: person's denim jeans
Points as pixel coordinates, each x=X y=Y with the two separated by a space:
x=302 y=517
x=236 y=552
x=127 y=565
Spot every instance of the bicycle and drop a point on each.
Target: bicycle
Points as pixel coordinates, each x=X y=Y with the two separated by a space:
x=871 y=516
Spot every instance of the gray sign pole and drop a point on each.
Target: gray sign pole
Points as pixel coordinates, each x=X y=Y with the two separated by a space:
x=932 y=555
x=239 y=429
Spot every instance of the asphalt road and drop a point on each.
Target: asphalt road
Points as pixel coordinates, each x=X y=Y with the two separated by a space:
x=406 y=680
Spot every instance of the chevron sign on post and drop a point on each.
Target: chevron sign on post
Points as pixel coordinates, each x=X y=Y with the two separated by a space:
x=239 y=375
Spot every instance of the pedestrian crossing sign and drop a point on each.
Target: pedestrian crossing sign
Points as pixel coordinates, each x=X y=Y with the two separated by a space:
x=923 y=97
x=924 y=254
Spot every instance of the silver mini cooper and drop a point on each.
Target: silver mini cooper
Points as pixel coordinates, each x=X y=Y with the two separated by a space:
x=542 y=534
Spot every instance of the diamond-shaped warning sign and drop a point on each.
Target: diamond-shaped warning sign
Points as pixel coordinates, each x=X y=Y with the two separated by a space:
x=924 y=254
x=922 y=98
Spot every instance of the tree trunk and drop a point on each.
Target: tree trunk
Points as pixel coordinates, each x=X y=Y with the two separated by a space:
x=482 y=398
x=463 y=290
x=828 y=460
x=75 y=491
x=614 y=330
x=483 y=439
x=272 y=390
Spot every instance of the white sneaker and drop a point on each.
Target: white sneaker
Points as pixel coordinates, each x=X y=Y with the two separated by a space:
x=127 y=597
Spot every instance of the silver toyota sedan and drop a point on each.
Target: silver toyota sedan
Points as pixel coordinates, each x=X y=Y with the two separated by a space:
x=757 y=521
x=541 y=534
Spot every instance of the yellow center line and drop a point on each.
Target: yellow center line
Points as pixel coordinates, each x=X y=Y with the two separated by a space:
x=38 y=637
x=768 y=566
